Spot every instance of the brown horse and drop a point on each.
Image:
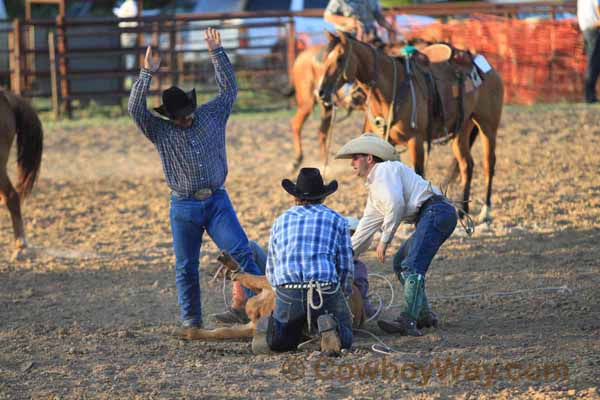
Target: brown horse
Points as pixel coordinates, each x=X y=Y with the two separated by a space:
x=307 y=72
x=410 y=122
x=17 y=117
x=258 y=306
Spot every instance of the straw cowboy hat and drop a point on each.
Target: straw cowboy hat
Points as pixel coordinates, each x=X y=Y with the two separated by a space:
x=177 y=103
x=309 y=185
x=368 y=143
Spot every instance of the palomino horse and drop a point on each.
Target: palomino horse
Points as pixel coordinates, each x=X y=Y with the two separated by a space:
x=259 y=306
x=410 y=122
x=18 y=118
x=307 y=71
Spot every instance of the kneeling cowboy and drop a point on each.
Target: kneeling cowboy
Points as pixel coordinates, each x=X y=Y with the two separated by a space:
x=310 y=265
x=396 y=194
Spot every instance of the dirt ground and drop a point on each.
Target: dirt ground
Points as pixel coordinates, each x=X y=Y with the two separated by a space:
x=89 y=311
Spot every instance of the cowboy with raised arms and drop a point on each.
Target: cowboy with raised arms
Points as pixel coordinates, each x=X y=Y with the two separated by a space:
x=191 y=144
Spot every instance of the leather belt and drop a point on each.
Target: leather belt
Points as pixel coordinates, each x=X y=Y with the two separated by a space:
x=200 y=194
x=306 y=285
x=432 y=200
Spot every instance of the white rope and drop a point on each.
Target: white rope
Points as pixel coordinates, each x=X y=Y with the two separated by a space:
x=389 y=284
x=306 y=343
x=565 y=290
x=381 y=306
x=225 y=292
x=383 y=348
x=386 y=349
x=310 y=305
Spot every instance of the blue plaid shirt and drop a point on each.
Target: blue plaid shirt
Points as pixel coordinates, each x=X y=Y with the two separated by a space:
x=192 y=158
x=310 y=242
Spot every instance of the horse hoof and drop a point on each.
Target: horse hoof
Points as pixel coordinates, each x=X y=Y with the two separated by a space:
x=487 y=221
x=485 y=216
x=294 y=167
x=18 y=255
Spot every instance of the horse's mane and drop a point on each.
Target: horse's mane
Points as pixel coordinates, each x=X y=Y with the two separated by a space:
x=332 y=43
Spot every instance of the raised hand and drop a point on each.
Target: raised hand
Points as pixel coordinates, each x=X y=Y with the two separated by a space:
x=151 y=63
x=212 y=38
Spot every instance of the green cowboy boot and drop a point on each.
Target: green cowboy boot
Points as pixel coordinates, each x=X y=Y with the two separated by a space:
x=406 y=323
x=427 y=318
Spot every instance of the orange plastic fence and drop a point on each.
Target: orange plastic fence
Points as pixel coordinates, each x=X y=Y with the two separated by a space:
x=540 y=61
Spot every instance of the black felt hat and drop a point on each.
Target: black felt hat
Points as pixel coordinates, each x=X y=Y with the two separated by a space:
x=309 y=185
x=177 y=103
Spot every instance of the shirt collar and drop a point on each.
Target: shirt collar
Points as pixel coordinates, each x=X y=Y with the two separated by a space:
x=371 y=176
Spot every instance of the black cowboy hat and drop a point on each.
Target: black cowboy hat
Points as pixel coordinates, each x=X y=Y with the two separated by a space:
x=177 y=103
x=309 y=185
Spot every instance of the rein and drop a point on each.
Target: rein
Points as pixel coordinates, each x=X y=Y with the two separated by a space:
x=390 y=116
x=392 y=106
x=328 y=139
x=343 y=75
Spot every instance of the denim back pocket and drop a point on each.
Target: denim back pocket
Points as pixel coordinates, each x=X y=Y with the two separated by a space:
x=283 y=306
x=444 y=218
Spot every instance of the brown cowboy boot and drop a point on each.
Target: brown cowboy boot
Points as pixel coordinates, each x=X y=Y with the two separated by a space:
x=330 y=339
x=260 y=344
x=185 y=331
x=232 y=316
x=236 y=314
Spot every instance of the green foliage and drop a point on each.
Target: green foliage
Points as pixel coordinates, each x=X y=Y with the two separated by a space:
x=392 y=3
x=15 y=8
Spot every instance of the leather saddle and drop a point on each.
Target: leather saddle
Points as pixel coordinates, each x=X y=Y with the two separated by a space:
x=451 y=74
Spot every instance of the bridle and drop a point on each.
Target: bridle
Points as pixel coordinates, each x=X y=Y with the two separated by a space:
x=408 y=80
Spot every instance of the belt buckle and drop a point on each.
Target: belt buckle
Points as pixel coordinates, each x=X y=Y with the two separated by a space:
x=202 y=194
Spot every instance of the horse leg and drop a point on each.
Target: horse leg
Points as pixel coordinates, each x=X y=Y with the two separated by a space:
x=454 y=170
x=462 y=153
x=488 y=140
x=326 y=121
x=417 y=153
x=305 y=101
x=10 y=198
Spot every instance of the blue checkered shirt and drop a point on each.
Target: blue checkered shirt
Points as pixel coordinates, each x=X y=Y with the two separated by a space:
x=192 y=158
x=310 y=242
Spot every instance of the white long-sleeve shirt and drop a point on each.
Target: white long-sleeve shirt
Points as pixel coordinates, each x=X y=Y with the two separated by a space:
x=396 y=193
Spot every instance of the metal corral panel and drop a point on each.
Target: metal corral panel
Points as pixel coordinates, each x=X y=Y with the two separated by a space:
x=4 y=64
x=106 y=39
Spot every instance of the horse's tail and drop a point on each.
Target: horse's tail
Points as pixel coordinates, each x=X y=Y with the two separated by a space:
x=30 y=140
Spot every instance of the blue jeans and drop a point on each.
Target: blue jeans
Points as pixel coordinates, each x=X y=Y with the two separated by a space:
x=435 y=224
x=592 y=69
x=189 y=219
x=259 y=256
x=289 y=317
